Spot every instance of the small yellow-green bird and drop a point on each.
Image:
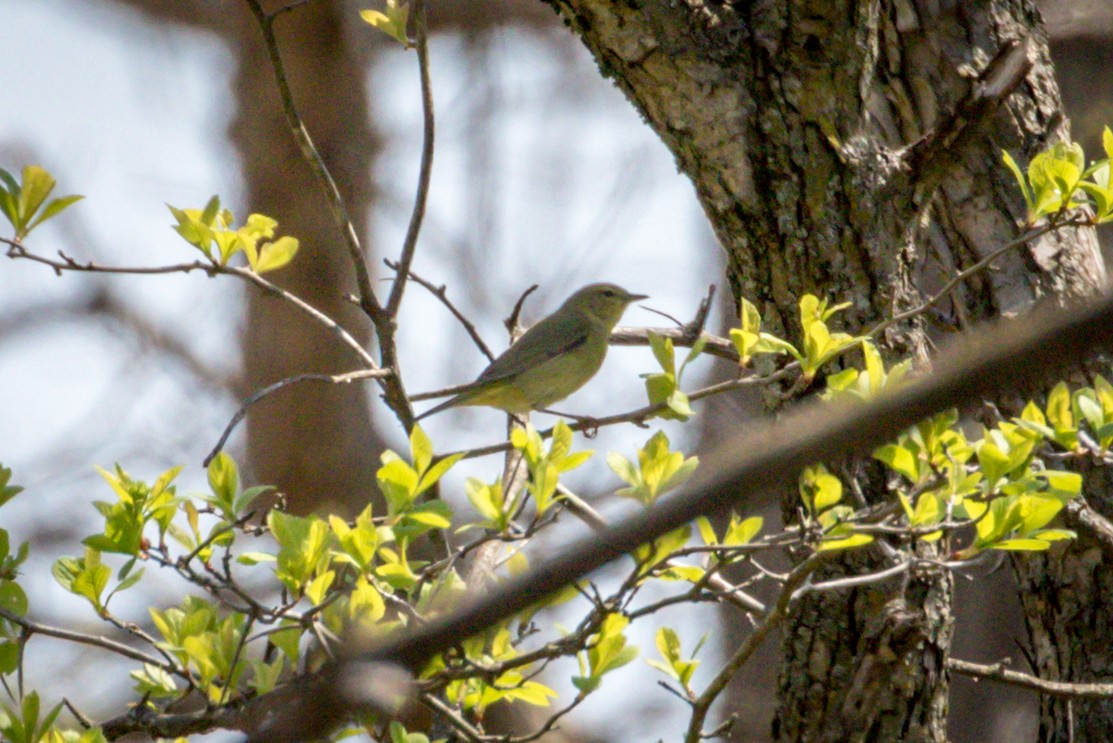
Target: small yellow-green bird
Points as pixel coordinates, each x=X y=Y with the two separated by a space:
x=554 y=358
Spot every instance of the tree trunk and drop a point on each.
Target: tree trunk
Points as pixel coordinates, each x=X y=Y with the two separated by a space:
x=807 y=129
x=314 y=441
x=1066 y=595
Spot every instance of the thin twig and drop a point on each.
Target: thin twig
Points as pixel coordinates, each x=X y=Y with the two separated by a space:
x=37 y=628
x=599 y=523
x=853 y=580
x=714 y=345
x=684 y=334
x=309 y=151
x=17 y=250
x=551 y=722
x=638 y=416
x=961 y=276
x=409 y=246
x=511 y=322
x=440 y=292
x=290 y=6
x=701 y=705
x=1061 y=689
x=323 y=319
x=1079 y=514
x=67 y=263
x=462 y=726
x=346 y=378
x=83 y=719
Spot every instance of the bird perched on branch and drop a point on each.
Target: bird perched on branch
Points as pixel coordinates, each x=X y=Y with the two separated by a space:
x=554 y=358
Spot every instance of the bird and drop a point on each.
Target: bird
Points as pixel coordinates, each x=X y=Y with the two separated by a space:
x=554 y=358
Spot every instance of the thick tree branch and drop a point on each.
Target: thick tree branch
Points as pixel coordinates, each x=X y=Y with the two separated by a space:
x=990 y=361
x=1078 y=514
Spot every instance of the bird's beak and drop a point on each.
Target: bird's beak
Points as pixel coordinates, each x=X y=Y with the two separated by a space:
x=636 y=297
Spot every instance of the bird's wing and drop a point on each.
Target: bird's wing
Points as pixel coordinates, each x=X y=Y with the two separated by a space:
x=544 y=341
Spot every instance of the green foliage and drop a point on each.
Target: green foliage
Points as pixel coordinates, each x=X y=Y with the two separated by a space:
x=303 y=558
x=866 y=384
x=749 y=340
x=398 y=734
x=154 y=682
x=13 y=599
x=22 y=724
x=137 y=504
x=207 y=644
x=739 y=533
x=1009 y=496
x=478 y=693
x=1100 y=186
x=658 y=471
x=1067 y=413
x=86 y=577
x=7 y=492
x=357 y=543
x=675 y=665
x=652 y=557
x=401 y=483
x=664 y=386
x=22 y=201
x=822 y=494
x=545 y=465
x=607 y=651
x=211 y=228
x=1058 y=181
x=820 y=343
x=227 y=498
x=357 y=610
x=391 y=21
x=490 y=500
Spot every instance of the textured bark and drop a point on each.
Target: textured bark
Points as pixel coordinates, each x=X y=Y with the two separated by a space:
x=800 y=124
x=1066 y=596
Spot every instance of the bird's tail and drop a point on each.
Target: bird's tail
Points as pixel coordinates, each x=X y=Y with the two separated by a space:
x=438 y=408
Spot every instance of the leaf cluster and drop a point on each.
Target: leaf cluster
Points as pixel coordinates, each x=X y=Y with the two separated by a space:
x=23 y=202
x=1058 y=181
x=210 y=231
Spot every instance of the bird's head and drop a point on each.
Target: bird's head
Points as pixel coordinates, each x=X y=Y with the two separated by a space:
x=602 y=303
